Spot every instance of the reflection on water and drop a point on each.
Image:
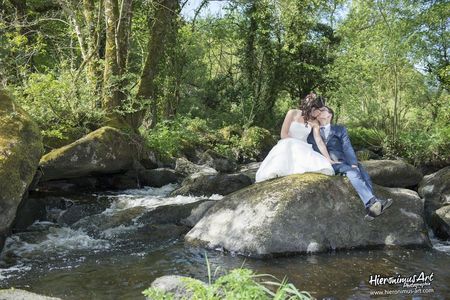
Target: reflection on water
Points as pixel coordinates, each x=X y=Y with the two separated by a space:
x=71 y=264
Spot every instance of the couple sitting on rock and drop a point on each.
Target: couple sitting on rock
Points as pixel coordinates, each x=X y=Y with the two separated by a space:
x=309 y=143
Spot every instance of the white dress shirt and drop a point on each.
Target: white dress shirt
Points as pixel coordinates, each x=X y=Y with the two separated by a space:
x=327 y=129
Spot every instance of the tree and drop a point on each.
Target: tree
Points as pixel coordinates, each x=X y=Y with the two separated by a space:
x=161 y=25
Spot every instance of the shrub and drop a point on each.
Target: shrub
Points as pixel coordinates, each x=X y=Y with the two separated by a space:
x=237 y=284
x=171 y=138
x=366 y=138
x=61 y=106
x=420 y=147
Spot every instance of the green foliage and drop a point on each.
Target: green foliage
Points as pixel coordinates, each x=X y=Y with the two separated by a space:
x=254 y=141
x=420 y=147
x=362 y=137
x=62 y=107
x=383 y=66
x=170 y=138
x=239 y=283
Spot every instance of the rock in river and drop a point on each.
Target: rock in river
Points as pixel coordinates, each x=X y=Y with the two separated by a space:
x=392 y=173
x=435 y=189
x=20 y=151
x=307 y=213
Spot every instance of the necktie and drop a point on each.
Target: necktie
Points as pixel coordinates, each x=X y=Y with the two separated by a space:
x=322 y=134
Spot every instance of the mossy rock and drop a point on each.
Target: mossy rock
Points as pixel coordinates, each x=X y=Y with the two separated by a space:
x=20 y=151
x=435 y=190
x=304 y=213
x=104 y=151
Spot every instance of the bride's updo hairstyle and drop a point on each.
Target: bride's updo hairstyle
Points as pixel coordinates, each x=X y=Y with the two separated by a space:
x=308 y=103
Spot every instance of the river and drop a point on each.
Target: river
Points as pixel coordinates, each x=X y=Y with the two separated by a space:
x=96 y=258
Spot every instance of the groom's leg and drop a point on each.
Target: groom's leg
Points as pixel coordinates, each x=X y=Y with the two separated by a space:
x=365 y=176
x=357 y=180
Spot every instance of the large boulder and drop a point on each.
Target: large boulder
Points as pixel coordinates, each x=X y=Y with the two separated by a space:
x=207 y=184
x=104 y=151
x=20 y=150
x=307 y=213
x=435 y=189
x=392 y=173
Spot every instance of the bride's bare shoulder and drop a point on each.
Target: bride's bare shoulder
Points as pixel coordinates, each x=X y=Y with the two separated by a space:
x=294 y=111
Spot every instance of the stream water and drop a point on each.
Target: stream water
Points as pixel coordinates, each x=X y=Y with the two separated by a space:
x=108 y=255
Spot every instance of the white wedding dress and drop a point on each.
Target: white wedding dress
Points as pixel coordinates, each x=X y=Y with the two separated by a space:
x=293 y=155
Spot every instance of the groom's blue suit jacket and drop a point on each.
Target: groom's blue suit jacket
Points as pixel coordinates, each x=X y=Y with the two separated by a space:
x=338 y=144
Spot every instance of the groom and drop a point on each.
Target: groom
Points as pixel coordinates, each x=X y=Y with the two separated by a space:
x=340 y=149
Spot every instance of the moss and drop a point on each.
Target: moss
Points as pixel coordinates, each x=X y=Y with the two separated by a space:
x=94 y=135
x=256 y=192
x=20 y=150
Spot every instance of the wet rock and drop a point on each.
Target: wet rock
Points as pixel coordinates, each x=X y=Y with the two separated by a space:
x=217 y=161
x=440 y=222
x=98 y=223
x=186 y=167
x=78 y=211
x=250 y=170
x=197 y=213
x=20 y=150
x=30 y=210
x=172 y=213
x=435 y=189
x=158 y=177
x=392 y=173
x=307 y=213
x=17 y=294
x=201 y=184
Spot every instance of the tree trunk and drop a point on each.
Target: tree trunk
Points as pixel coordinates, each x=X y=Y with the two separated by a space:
x=123 y=34
x=111 y=72
x=166 y=13
x=93 y=28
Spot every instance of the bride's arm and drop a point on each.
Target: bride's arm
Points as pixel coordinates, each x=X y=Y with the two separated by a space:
x=320 y=144
x=286 y=123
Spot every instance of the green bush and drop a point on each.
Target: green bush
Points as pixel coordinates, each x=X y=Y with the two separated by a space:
x=237 y=284
x=366 y=138
x=171 y=138
x=420 y=147
x=62 y=107
x=255 y=140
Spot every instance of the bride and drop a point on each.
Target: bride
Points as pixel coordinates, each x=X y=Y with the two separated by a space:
x=292 y=154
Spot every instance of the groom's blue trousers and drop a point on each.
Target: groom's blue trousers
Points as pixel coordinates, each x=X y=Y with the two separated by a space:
x=359 y=179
